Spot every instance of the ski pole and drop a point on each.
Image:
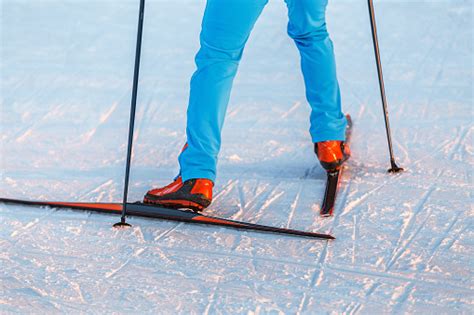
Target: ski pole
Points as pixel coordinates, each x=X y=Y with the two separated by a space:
x=394 y=168
x=133 y=106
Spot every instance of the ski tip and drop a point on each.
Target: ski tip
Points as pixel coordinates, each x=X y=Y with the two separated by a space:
x=328 y=237
x=349 y=119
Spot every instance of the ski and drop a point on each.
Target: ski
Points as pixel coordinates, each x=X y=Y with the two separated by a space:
x=150 y=211
x=332 y=181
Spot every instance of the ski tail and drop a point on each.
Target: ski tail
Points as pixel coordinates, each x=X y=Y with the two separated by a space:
x=329 y=200
x=143 y=210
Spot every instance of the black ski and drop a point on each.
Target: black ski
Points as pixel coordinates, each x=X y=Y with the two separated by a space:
x=332 y=182
x=143 y=210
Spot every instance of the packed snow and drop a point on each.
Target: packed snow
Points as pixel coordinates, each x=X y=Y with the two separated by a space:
x=404 y=242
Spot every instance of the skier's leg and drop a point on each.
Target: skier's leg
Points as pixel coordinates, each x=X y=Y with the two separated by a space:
x=307 y=26
x=225 y=29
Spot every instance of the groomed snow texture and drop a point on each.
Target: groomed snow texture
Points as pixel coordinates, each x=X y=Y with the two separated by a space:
x=404 y=242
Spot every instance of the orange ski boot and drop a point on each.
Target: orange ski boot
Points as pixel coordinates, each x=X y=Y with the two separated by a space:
x=194 y=194
x=332 y=154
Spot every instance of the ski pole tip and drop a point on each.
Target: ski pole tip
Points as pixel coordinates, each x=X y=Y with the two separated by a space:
x=122 y=224
x=395 y=168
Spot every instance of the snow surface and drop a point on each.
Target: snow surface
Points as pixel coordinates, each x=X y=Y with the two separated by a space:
x=404 y=242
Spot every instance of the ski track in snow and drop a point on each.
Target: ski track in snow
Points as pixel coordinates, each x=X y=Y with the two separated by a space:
x=404 y=242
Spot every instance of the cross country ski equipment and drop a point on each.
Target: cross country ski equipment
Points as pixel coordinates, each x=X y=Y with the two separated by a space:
x=143 y=210
x=133 y=106
x=194 y=194
x=393 y=166
x=333 y=176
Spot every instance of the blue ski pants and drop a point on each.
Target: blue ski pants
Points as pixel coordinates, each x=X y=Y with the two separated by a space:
x=226 y=26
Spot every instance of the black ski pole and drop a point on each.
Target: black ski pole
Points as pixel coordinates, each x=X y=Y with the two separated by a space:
x=133 y=107
x=394 y=168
